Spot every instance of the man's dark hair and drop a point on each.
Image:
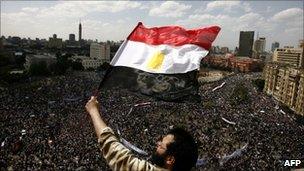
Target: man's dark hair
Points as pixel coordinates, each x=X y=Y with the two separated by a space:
x=183 y=148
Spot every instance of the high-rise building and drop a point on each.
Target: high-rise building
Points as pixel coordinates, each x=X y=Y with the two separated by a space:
x=286 y=84
x=100 y=51
x=105 y=52
x=274 y=45
x=95 y=50
x=246 y=43
x=79 y=32
x=72 y=37
x=259 y=45
x=289 y=55
x=55 y=42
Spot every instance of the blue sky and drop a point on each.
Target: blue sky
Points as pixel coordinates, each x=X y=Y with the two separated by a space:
x=280 y=21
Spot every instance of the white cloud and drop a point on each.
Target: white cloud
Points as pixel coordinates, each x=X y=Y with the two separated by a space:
x=249 y=21
x=254 y=21
x=116 y=30
x=292 y=30
x=292 y=17
x=228 y=6
x=232 y=16
x=246 y=7
x=198 y=20
x=269 y=9
x=29 y=9
x=115 y=6
x=169 y=9
x=201 y=18
x=62 y=18
x=250 y=18
x=221 y=4
x=82 y=8
x=120 y=21
x=288 y=14
x=144 y=7
x=60 y=11
x=12 y=16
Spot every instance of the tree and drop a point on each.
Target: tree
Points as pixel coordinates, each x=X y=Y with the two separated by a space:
x=39 y=69
x=62 y=64
x=77 y=66
x=5 y=59
x=90 y=69
x=20 y=60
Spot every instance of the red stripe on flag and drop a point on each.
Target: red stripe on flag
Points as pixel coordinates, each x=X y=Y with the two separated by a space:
x=175 y=35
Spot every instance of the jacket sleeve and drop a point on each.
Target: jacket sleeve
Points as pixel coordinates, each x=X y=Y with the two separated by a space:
x=118 y=157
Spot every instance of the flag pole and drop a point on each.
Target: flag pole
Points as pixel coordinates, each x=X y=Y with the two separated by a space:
x=109 y=69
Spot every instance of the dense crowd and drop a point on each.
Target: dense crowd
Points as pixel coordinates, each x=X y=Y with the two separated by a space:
x=44 y=125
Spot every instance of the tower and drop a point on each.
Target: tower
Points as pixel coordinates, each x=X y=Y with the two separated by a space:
x=80 y=30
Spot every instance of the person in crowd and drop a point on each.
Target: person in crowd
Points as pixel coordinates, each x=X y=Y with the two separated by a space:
x=176 y=151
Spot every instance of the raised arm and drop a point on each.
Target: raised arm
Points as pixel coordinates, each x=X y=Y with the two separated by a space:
x=92 y=108
x=118 y=157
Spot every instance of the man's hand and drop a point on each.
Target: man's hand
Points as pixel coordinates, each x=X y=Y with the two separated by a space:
x=92 y=106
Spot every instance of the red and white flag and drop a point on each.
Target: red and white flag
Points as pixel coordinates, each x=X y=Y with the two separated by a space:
x=169 y=49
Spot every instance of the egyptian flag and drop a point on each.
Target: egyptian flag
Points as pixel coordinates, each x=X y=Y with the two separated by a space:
x=162 y=62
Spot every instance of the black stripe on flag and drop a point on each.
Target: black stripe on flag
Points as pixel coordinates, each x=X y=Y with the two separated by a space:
x=167 y=87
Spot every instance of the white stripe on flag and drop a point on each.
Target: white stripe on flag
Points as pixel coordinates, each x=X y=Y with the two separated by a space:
x=159 y=58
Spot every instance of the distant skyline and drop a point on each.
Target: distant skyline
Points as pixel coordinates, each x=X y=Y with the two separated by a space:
x=280 y=21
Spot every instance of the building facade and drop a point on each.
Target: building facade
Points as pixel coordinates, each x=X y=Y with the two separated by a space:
x=289 y=55
x=242 y=64
x=100 y=51
x=106 y=53
x=246 y=43
x=55 y=42
x=95 y=51
x=259 y=45
x=286 y=84
x=36 y=59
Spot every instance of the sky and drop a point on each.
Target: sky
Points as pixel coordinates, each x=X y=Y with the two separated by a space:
x=280 y=21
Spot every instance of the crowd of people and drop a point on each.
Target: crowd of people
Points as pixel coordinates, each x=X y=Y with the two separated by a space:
x=44 y=125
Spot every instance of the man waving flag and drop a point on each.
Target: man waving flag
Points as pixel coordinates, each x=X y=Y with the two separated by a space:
x=162 y=62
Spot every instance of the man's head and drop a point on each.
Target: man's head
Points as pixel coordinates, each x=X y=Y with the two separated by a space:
x=176 y=151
